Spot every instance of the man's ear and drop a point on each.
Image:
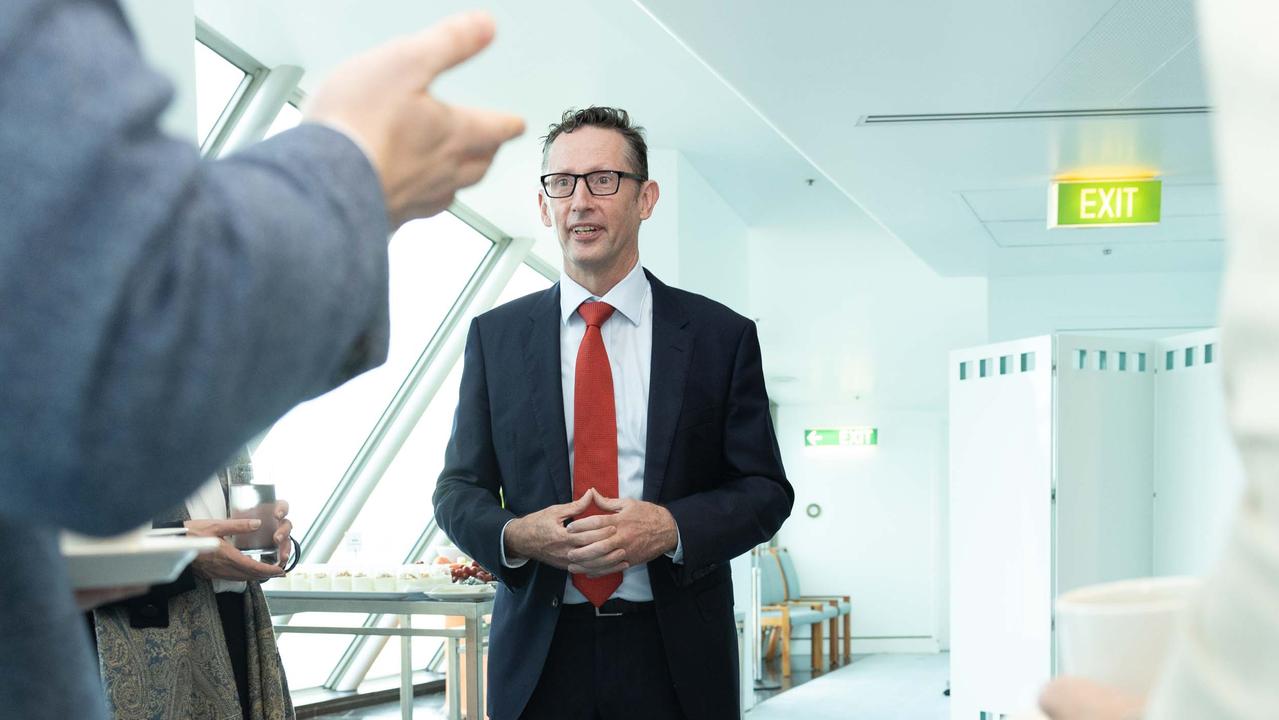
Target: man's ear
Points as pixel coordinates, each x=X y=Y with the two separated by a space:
x=648 y=198
x=544 y=209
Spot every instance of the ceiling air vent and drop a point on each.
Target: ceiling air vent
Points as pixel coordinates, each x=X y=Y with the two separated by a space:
x=1033 y=115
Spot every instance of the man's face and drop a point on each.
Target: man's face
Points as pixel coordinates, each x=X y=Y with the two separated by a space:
x=597 y=234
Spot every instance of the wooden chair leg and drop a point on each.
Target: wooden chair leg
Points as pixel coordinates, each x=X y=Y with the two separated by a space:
x=818 y=663
x=785 y=633
x=770 y=651
x=848 y=637
x=834 y=637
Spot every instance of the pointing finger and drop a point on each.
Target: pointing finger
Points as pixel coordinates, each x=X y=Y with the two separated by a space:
x=447 y=43
x=487 y=129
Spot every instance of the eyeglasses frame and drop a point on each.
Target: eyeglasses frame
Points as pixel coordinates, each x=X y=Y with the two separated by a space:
x=580 y=176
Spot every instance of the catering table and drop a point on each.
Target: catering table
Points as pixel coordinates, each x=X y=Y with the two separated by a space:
x=404 y=605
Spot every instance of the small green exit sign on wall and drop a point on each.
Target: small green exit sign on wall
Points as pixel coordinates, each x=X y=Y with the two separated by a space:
x=841 y=437
x=1104 y=203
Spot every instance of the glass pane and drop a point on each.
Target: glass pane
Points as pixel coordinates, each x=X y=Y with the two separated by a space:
x=307 y=451
x=387 y=663
x=216 y=82
x=526 y=280
x=308 y=659
x=400 y=508
x=289 y=116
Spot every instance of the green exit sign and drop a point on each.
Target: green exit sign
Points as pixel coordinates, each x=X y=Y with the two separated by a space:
x=1104 y=203
x=841 y=437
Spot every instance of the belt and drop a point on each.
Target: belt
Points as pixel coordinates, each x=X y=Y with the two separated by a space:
x=615 y=607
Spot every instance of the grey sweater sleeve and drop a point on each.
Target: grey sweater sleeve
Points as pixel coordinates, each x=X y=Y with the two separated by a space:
x=156 y=309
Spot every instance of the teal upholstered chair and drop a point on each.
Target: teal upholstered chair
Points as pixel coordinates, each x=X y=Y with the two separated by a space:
x=780 y=616
x=838 y=606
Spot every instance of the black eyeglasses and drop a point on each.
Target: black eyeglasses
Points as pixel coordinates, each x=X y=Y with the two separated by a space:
x=600 y=182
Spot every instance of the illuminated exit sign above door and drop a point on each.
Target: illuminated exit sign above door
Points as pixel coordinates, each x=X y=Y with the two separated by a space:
x=1104 y=203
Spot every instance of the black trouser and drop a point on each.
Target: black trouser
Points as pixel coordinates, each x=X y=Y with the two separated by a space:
x=234 y=627
x=605 y=668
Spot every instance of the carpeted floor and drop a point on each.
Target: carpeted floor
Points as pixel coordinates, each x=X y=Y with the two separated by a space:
x=879 y=687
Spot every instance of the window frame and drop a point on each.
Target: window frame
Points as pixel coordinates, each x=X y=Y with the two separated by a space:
x=344 y=673
x=254 y=75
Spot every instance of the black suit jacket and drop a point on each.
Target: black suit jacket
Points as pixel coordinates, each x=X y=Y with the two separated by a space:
x=711 y=459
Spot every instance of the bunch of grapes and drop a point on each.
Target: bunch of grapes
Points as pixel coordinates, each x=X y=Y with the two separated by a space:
x=464 y=573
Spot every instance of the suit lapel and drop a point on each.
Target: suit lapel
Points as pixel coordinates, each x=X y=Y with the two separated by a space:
x=672 y=351
x=542 y=338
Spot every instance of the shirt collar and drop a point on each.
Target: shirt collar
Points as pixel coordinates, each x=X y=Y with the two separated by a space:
x=626 y=297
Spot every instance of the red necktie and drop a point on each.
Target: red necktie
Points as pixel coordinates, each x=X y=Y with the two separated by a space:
x=594 y=434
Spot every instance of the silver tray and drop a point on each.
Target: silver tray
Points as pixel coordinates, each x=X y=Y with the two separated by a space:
x=342 y=595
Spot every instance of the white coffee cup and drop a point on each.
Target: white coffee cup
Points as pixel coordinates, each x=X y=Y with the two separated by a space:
x=1119 y=633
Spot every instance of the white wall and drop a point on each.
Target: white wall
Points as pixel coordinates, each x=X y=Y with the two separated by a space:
x=166 y=34
x=713 y=242
x=866 y=329
x=1164 y=303
x=660 y=235
x=879 y=533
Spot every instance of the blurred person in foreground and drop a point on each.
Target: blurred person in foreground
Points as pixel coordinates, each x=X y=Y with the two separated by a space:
x=157 y=310
x=1224 y=665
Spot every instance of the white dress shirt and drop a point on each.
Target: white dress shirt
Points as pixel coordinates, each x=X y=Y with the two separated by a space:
x=628 y=339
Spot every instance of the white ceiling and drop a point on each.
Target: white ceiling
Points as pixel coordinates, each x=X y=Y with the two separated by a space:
x=546 y=59
x=770 y=94
x=761 y=96
x=815 y=69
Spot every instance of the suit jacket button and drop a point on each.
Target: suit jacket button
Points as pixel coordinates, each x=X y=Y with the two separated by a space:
x=555 y=602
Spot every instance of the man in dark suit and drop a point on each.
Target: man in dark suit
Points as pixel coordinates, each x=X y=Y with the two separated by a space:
x=612 y=451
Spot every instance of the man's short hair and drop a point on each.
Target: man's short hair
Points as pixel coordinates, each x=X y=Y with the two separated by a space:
x=602 y=117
